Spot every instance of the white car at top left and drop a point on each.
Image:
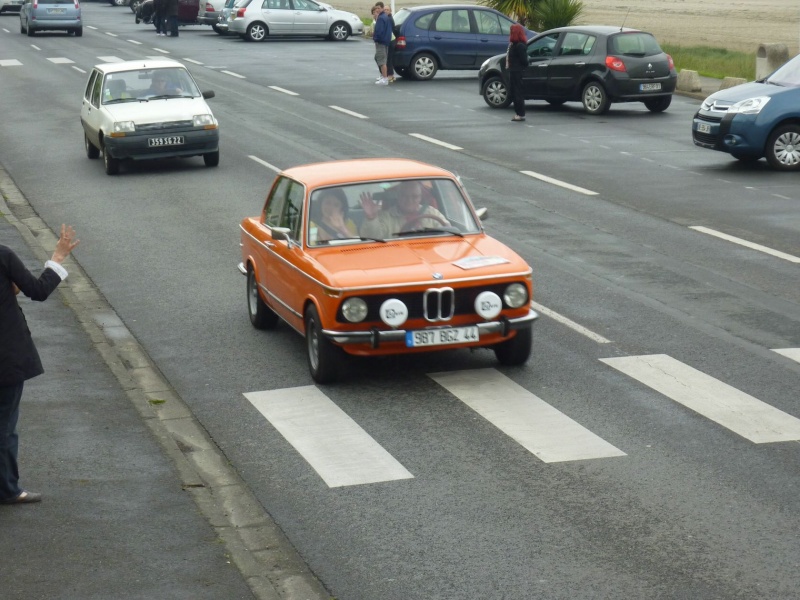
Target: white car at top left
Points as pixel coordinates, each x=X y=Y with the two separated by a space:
x=147 y=109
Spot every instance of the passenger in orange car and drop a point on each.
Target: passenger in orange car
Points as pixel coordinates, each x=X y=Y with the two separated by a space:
x=329 y=217
x=405 y=213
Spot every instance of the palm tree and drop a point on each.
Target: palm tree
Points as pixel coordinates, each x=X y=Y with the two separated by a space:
x=539 y=14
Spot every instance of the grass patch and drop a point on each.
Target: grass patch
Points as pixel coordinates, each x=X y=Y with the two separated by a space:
x=713 y=62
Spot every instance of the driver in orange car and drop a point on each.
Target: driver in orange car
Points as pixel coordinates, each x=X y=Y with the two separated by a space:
x=406 y=213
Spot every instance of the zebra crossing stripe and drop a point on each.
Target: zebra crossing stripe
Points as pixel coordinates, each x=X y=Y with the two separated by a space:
x=340 y=451
x=547 y=433
x=733 y=409
x=793 y=353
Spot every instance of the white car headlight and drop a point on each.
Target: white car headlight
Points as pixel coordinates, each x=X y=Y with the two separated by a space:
x=516 y=295
x=354 y=310
x=123 y=127
x=204 y=121
x=751 y=106
x=393 y=312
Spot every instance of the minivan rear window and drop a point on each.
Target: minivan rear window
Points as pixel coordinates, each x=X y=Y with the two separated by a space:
x=633 y=44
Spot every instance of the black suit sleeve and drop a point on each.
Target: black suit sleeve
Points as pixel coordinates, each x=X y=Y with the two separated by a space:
x=36 y=288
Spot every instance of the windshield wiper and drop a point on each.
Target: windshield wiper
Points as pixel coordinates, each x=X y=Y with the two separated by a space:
x=355 y=237
x=119 y=100
x=450 y=230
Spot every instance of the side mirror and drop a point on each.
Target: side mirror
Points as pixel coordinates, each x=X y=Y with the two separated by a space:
x=483 y=213
x=209 y=94
x=281 y=233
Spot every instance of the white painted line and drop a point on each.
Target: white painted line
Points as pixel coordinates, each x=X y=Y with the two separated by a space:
x=191 y=60
x=61 y=61
x=91 y=27
x=541 y=429
x=78 y=69
x=435 y=141
x=340 y=451
x=280 y=89
x=349 y=112
x=559 y=183
x=793 y=353
x=733 y=409
x=569 y=323
x=110 y=59
x=35 y=47
x=10 y=62
x=111 y=34
x=135 y=42
x=265 y=163
x=162 y=52
x=751 y=245
x=232 y=74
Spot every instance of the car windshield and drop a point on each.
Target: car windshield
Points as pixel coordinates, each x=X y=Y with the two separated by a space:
x=635 y=43
x=384 y=210
x=148 y=84
x=788 y=75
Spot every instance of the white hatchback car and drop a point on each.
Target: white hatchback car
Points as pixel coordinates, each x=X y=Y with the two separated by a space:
x=255 y=20
x=146 y=109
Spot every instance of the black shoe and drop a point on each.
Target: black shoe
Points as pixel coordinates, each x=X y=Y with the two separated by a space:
x=24 y=498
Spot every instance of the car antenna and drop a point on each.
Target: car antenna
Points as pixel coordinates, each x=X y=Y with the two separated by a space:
x=625 y=19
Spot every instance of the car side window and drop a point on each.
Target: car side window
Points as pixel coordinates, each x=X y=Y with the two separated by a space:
x=97 y=87
x=543 y=46
x=505 y=25
x=454 y=21
x=305 y=5
x=293 y=213
x=273 y=210
x=576 y=44
x=424 y=22
x=276 y=4
x=488 y=23
x=87 y=94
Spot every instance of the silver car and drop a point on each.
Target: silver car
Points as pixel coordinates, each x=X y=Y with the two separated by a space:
x=254 y=20
x=223 y=17
x=50 y=15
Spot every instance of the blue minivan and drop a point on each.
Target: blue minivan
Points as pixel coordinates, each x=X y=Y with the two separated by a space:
x=51 y=15
x=755 y=120
x=447 y=37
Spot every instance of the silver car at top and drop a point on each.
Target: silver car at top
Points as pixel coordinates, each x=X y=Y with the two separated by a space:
x=255 y=20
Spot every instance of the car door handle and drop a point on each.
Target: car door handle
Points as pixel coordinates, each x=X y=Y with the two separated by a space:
x=580 y=64
x=542 y=65
x=269 y=244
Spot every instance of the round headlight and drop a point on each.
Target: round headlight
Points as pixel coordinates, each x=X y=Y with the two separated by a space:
x=516 y=295
x=488 y=305
x=354 y=310
x=393 y=312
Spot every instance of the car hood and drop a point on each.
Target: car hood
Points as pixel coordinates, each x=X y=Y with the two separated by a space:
x=747 y=90
x=158 y=111
x=418 y=261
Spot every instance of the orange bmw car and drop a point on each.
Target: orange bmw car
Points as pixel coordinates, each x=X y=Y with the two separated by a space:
x=382 y=256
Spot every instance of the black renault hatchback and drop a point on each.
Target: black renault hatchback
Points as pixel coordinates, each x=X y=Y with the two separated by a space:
x=592 y=64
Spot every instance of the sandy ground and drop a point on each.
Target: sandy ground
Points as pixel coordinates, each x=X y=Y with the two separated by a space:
x=732 y=24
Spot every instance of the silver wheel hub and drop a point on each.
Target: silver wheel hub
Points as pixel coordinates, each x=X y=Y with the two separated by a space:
x=787 y=148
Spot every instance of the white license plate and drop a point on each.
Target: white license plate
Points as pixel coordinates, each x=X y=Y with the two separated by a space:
x=175 y=140
x=442 y=337
x=649 y=87
x=703 y=128
x=56 y=11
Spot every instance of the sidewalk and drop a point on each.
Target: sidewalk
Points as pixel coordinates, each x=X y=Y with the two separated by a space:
x=709 y=85
x=128 y=512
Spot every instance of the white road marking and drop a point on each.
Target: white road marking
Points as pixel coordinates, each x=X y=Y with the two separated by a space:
x=35 y=47
x=110 y=59
x=111 y=34
x=435 y=141
x=349 y=112
x=61 y=61
x=559 y=183
x=340 y=451
x=745 y=243
x=743 y=414
x=78 y=69
x=91 y=27
x=570 y=323
x=265 y=163
x=135 y=42
x=10 y=62
x=793 y=353
x=541 y=429
x=232 y=74
x=162 y=52
x=191 y=60
x=280 y=89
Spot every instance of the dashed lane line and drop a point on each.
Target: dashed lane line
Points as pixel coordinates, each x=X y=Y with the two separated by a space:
x=283 y=91
x=559 y=183
x=265 y=163
x=435 y=141
x=570 y=323
x=349 y=112
x=232 y=74
x=793 y=353
x=746 y=244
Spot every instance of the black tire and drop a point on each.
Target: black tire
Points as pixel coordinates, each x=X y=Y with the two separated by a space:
x=217 y=30
x=423 y=66
x=211 y=158
x=261 y=315
x=495 y=92
x=517 y=350
x=78 y=32
x=256 y=32
x=339 y=32
x=659 y=104
x=324 y=358
x=92 y=151
x=595 y=99
x=555 y=101
x=783 y=148
x=110 y=163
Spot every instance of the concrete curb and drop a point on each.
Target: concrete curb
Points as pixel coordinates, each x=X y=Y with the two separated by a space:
x=256 y=545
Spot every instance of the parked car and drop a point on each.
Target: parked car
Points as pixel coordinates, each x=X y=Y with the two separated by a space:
x=119 y=2
x=187 y=11
x=595 y=65
x=10 y=6
x=223 y=17
x=409 y=268
x=255 y=21
x=447 y=37
x=51 y=15
x=209 y=13
x=147 y=109
x=756 y=119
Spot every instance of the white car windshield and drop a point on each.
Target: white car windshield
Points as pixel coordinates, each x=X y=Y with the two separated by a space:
x=148 y=84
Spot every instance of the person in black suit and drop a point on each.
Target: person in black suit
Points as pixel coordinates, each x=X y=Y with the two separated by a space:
x=19 y=360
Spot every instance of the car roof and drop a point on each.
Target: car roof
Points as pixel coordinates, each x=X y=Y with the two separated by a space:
x=339 y=172
x=599 y=29
x=130 y=65
x=445 y=6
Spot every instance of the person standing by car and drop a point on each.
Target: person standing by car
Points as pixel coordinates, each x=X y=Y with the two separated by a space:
x=158 y=17
x=171 y=9
x=516 y=63
x=19 y=360
x=382 y=36
x=392 y=43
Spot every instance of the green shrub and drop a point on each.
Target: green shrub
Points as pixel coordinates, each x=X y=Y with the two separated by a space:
x=713 y=62
x=549 y=14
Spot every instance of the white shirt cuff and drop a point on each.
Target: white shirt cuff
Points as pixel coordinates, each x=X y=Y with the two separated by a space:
x=60 y=271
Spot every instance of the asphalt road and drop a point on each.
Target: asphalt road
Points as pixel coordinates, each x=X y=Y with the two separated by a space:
x=694 y=504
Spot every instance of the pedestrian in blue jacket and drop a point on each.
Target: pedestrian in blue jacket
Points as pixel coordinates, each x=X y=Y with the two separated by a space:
x=382 y=36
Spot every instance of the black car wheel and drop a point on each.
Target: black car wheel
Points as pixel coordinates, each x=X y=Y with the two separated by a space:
x=211 y=158
x=92 y=151
x=495 y=92
x=261 y=315
x=594 y=98
x=423 y=66
x=339 y=32
x=517 y=350
x=216 y=29
x=324 y=358
x=78 y=32
x=402 y=71
x=110 y=163
x=256 y=32
x=659 y=104
x=783 y=148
